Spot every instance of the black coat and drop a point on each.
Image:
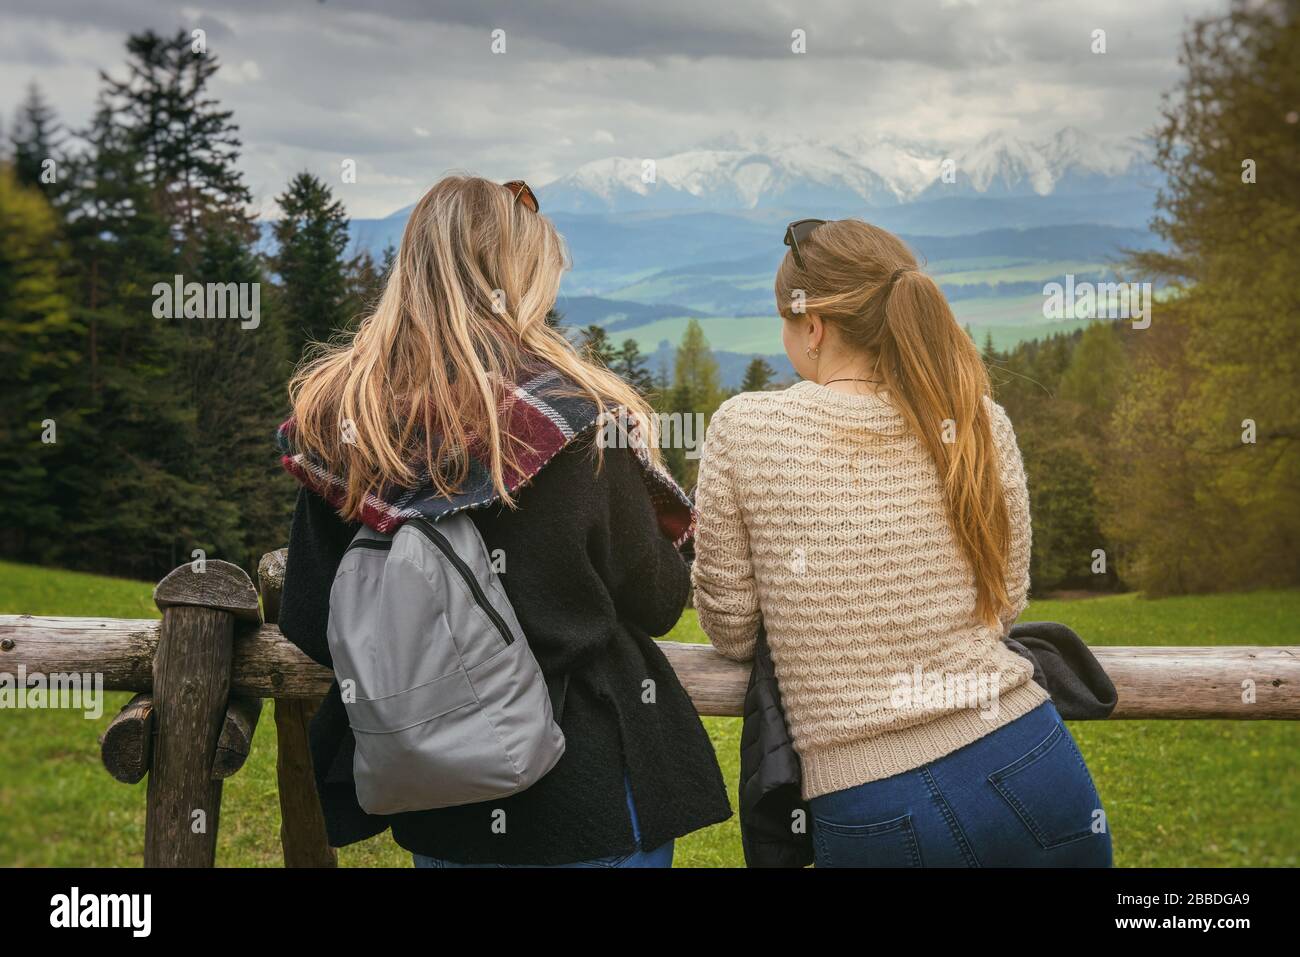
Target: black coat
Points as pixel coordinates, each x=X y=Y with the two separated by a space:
x=592 y=581
x=775 y=827
x=770 y=775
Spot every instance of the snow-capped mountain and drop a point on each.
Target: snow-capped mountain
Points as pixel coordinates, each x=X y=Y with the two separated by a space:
x=870 y=171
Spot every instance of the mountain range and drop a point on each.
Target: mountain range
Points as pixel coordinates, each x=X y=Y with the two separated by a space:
x=993 y=223
x=856 y=172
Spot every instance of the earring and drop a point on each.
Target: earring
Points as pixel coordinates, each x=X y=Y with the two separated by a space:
x=812 y=353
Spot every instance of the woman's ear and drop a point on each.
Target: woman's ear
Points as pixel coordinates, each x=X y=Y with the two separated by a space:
x=816 y=331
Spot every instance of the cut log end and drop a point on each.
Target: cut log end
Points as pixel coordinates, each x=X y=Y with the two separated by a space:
x=270 y=582
x=127 y=746
x=213 y=584
x=236 y=739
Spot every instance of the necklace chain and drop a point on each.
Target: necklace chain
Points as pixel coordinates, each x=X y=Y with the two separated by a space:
x=874 y=381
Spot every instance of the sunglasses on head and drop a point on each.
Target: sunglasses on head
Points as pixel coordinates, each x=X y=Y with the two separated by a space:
x=522 y=194
x=798 y=232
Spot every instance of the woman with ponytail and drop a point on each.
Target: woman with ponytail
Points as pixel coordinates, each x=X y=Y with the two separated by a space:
x=874 y=519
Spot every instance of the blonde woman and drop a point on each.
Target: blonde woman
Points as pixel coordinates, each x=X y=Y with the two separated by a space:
x=457 y=394
x=875 y=518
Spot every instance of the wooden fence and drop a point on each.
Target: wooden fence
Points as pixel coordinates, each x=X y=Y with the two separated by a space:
x=202 y=671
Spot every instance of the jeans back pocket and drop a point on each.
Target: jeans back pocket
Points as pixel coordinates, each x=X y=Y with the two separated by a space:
x=1050 y=790
x=889 y=843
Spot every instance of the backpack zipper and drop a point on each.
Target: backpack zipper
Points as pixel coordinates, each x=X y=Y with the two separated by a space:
x=375 y=543
x=444 y=546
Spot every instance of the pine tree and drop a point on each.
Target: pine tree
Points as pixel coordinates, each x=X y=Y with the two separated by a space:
x=990 y=351
x=1095 y=379
x=311 y=235
x=125 y=457
x=38 y=336
x=207 y=474
x=188 y=144
x=630 y=365
x=35 y=141
x=696 y=390
x=758 y=375
x=696 y=376
x=364 y=281
x=1064 y=505
x=663 y=377
x=237 y=377
x=594 y=344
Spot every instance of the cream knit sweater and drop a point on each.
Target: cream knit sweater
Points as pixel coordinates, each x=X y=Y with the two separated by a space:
x=838 y=541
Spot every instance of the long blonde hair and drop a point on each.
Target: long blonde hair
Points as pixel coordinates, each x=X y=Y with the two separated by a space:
x=866 y=282
x=463 y=314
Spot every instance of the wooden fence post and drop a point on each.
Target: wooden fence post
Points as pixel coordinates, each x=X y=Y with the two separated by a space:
x=302 y=822
x=191 y=688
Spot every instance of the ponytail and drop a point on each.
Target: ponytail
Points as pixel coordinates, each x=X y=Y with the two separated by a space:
x=938 y=382
x=866 y=281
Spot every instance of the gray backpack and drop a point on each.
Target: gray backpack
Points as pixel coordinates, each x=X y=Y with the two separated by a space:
x=446 y=701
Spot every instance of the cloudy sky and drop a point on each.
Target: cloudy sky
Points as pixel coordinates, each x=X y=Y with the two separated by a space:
x=411 y=89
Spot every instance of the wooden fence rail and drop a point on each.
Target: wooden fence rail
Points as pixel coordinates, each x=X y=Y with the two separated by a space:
x=201 y=671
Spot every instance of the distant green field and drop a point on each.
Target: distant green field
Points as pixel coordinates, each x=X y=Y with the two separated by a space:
x=1177 y=793
x=675 y=288
x=938 y=267
x=1025 y=271
x=1009 y=319
x=1005 y=311
x=758 y=335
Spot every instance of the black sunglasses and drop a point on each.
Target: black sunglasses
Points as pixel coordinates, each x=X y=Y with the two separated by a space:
x=798 y=232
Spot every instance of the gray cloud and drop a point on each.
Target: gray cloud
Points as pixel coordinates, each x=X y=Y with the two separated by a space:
x=410 y=89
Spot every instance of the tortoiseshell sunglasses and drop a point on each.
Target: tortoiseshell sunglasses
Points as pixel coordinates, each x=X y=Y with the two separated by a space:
x=523 y=194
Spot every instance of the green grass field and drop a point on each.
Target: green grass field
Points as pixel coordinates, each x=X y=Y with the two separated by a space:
x=1016 y=271
x=1177 y=793
x=1009 y=319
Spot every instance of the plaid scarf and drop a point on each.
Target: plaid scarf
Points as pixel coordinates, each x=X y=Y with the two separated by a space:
x=546 y=422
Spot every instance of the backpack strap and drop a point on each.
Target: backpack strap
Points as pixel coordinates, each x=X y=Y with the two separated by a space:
x=558 y=689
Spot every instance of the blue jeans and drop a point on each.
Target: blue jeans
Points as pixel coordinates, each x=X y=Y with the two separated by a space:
x=1020 y=796
x=661 y=856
